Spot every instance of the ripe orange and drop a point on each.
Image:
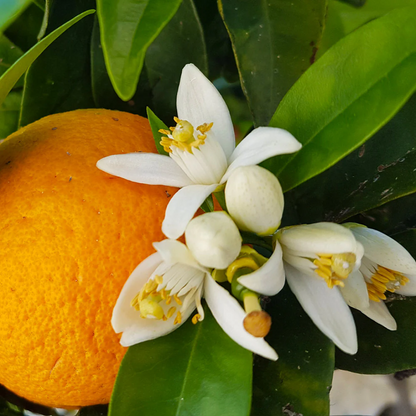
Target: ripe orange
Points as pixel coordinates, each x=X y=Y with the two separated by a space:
x=70 y=237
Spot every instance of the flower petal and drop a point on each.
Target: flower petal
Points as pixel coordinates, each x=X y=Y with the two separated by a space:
x=182 y=208
x=269 y=279
x=378 y=312
x=326 y=307
x=355 y=291
x=173 y=251
x=409 y=289
x=385 y=251
x=147 y=329
x=322 y=237
x=199 y=102
x=146 y=168
x=124 y=315
x=230 y=316
x=259 y=145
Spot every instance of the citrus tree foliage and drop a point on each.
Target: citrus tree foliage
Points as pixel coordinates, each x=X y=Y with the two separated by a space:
x=340 y=76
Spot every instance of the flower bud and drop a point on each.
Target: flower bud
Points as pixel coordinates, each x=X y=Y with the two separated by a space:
x=213 y=239
x=254 y=199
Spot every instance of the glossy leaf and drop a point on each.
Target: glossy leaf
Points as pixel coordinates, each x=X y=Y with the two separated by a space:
x=10 y=9
x=179 y=43
x=381 y=351
x=9 y=53
x=300 y=380
x=9 y=114
x=274 y=42
x=156 y=124
x=380 y=170
x=343 y=18
x=12 y=75
x=100 y=410
x=128 y=27
x=60 y=79
x=102 y=89
x=195 y=370
x=350 y=93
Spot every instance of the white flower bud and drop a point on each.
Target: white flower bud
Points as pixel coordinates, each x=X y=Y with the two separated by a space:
x=213 y=239
x=254 y=199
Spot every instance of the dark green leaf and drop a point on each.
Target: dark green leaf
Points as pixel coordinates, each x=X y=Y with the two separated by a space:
x=355 y=3
x=195 y=370
x=377 y=172
x=10 y=10
x=12 y=75
x=179 y=43
x=7 y=409
x=352 y=91
x=300 y=380
x=102 y=90
x=9 y=113
x=23 y=32
x=100 y=410
x=274 y=42
x=9 y=53
x=128 y=27
x=156 y=124
x=60 y=79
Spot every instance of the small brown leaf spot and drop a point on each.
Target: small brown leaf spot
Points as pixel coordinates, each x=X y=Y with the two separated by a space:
x=361 y=151
x=313 y=56
x=381 y=168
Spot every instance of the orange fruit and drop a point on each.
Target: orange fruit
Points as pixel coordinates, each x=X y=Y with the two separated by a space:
x=70 y=236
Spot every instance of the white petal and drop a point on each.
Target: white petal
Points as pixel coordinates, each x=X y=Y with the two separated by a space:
x=355 y=291
x=124 y=315
x=385 y=251
x=182 y=208
x=259 y=145
x=173 y=251
x=254 y=199
x=379 y=313
x=199 y=102
x=213 y=239
x=326 y=307
x=409 y=289
x=322 y=237
x=147 y=329
x=146 y=168
x=269 y=279
x=230 y=316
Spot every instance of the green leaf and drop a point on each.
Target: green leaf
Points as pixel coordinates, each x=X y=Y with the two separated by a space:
x=300 y=380
x=156 y=124
x=381 y=351
x=347 y=95
x=195 y=370
x=128 y=27
x=380 y=170
x=12 y=75
x=9 y=114
x=274 y=42
x=60 y=80
x=179 y=43
x=9 y=53
x=10 y=10
x=208 y=204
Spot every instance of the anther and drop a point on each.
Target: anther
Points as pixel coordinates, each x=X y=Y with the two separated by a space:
x=178 y=319
x=177 y=300
x=171 y=311
x=195 y=318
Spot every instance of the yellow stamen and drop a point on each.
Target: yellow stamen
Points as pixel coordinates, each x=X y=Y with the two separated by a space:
x=171 y=311
x=158 y=279
x=384 y=280
x=163 y=294
x=334 y=268
x=178 y=319
x=195 y=318
x=152 y=308
x=168 y=300
x=177 y=300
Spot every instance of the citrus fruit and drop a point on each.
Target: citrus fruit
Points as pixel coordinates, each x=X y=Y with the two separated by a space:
x=71 y=235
